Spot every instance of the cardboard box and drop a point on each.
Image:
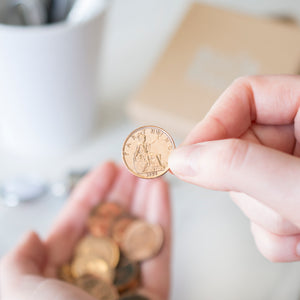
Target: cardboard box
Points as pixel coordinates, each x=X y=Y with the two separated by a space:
x=210 y=49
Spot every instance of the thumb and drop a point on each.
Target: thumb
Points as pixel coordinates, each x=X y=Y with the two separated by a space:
x=263 y=173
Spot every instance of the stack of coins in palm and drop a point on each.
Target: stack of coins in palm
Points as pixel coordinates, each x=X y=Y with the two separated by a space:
x=106 y=261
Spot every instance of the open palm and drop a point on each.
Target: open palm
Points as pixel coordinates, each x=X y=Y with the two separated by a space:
x=29 y=271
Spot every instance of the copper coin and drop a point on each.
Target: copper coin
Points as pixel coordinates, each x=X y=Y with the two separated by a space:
x=109 y=209
x=104 y=247
x=119 y=227
x=127 y=274
x=146 y=150
x=65 y=274
x=97 y=288
x=83 y=265
x=100 y=226
x=142 y=241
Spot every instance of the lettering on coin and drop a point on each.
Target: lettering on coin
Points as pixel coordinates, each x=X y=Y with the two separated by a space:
x=146 y=151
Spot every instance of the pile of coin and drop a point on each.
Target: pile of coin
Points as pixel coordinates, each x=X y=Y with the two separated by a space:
x=106 y=261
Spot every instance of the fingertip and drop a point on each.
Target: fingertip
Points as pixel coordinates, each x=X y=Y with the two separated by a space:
x=123 y=188
x=138 y=204
x=181 y=161
x=275 y=248
x=158 y=204
x=108 y=168
x=29 y=256
x=30 y=238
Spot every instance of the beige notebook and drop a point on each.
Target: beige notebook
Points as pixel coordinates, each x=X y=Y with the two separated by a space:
x=210 y=49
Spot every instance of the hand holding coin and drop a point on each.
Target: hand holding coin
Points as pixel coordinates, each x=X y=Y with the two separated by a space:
x=39 y=261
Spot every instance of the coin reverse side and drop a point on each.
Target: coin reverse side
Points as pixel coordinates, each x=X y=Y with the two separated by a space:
x=146 y=151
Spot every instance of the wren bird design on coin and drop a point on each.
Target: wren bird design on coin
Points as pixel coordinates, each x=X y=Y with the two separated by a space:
x=146 y=151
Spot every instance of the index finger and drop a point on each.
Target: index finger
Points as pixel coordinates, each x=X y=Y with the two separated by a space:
x=268 y=100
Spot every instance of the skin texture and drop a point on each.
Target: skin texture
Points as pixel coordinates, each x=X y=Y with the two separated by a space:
x=29 y=271
x=249 y=144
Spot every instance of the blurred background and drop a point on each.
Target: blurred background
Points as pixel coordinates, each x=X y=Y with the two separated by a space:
x=214 y=255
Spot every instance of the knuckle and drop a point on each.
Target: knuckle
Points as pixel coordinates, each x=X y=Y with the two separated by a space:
x=234 y=155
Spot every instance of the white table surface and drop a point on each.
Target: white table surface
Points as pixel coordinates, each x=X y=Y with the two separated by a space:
x=214 y=256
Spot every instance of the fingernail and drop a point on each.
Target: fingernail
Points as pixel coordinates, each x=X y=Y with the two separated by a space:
x=298 y=249
x=184 y=160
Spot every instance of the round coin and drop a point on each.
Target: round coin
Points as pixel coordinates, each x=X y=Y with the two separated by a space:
x=126 y=275
x=83 y=265
x=119 y=227
x=65 y=274
x=97 y=288
x=100 y=226
x=109 y=210
x=146 y=150
x=102 y=247
x=142 y=241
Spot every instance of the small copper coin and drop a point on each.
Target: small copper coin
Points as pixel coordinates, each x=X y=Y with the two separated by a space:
x=98 y=267
x=104 y=247
x=119 y=227
x=65 y=274
x=142 y=241
x=126 y=275
x=146 y=150
x=100 y=226
x=97 y=288
x=108 y=210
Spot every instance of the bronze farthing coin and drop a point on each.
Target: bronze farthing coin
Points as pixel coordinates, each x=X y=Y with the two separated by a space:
x=119 y=227
x=100 y=226
x=146 y=150
x=103 y=247
x=98 y=267
x=142 y=240
x=109 y=209
x=97 y=288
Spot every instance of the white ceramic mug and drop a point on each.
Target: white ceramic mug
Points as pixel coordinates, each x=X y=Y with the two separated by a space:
x=48 y=85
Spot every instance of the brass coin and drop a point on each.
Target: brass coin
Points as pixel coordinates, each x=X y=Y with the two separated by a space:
x=127 y=274
x=142 y=241
x=98 y=267
x=146 y=150
x=97 y=288
x=119 y=227
x=103 y=247
x=65 y=274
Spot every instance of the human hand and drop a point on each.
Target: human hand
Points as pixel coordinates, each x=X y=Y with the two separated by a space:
x=29 y=271
x=252 y=149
